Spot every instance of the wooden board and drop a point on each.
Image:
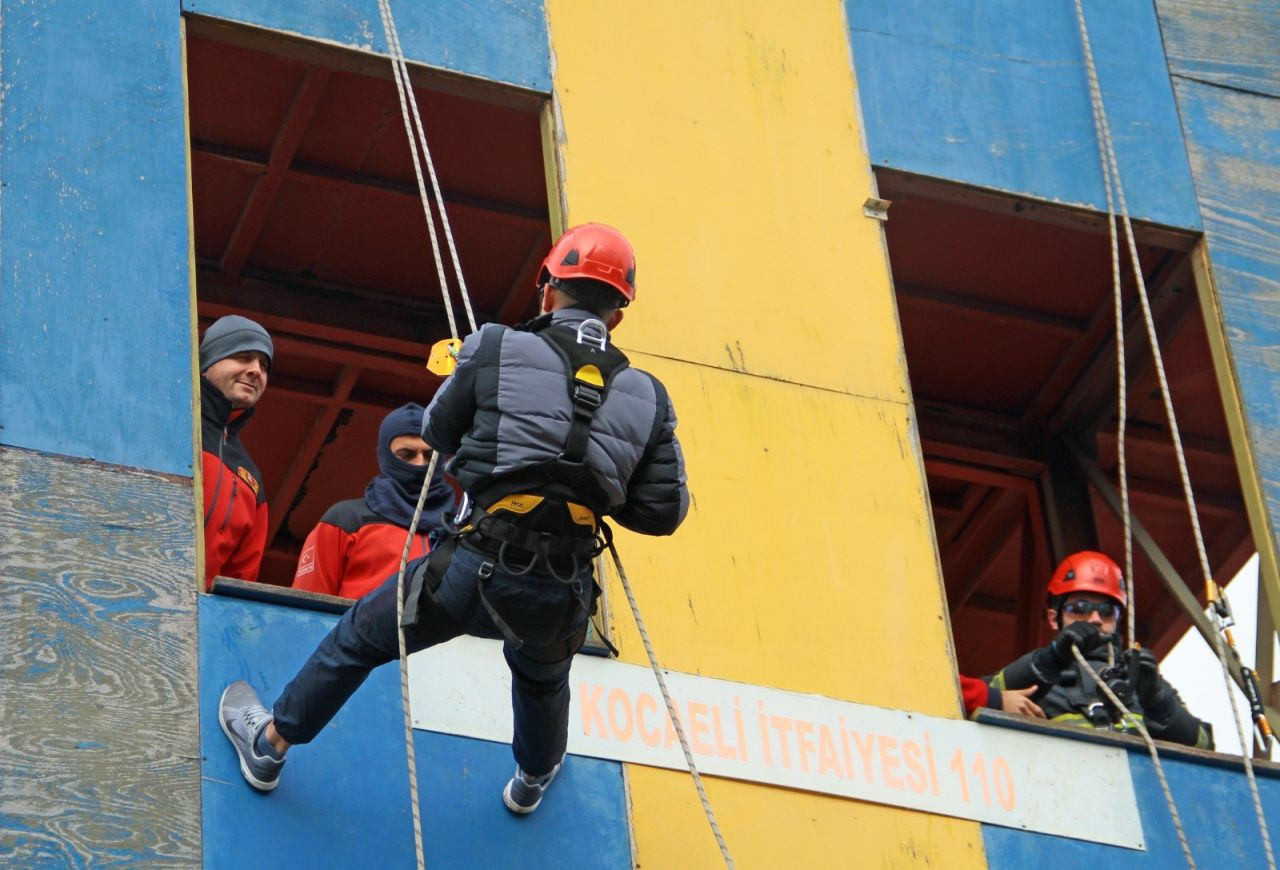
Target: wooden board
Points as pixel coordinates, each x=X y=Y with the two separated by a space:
x=343 y=800
x=99 y=750
x=1212 y=800
x=1233 y=140
x=96 y=330
x=493 y=39
x=995 y=94
x=1223 y=42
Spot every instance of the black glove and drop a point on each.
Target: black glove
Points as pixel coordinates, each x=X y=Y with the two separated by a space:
x=1153 y=694
x=1049 y=662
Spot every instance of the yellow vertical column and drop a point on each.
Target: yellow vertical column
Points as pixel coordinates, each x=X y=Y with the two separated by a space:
x=722 y=138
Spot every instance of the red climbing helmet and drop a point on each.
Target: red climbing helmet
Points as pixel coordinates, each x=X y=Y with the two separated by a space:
x=593 y=251
x=1087 y=571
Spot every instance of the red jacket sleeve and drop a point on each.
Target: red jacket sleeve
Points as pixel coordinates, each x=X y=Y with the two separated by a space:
x=322 y=562
x=975 y=694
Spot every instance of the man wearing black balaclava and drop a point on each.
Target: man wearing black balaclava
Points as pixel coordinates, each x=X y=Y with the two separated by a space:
x=357 y=543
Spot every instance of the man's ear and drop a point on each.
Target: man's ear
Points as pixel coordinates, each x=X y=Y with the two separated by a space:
x=1052 y=616
x=546 y=301
x=614 y=320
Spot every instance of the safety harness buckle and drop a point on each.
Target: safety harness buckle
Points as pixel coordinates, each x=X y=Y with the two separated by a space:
x=587 y=394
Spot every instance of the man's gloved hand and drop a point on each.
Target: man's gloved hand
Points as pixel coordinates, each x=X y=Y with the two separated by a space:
x=1049 y=662
x=1151 y=690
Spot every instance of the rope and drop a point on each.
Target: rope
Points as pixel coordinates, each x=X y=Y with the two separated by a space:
x=404 y=662
x=403 y=87
x=671 y=710
x=414 y=128
x=1213 y=593
x=1131 y=719
x=404 y=90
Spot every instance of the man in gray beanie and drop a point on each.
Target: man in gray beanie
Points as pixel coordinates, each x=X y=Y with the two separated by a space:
x=235 y=361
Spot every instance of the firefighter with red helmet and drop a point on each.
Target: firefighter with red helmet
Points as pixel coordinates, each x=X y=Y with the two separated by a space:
x=551 y=431
x=1085 y=603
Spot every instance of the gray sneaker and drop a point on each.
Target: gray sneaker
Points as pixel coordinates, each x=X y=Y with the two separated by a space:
x=523 y=793
x=242 y=717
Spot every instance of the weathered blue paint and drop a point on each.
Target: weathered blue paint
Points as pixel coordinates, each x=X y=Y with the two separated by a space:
x=1213 y=804
x=1194 y=41
x=99 y=760
x=995 y=94
x=95 y=322
x=501 y=40
x=1233 y=141
x=344 y=799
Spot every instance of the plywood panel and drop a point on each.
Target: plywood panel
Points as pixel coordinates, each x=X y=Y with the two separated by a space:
x=95 y=326
x=492 y=39
x=995 y=94
x=343 y=800
x=728 y=152
x=1213 y=804
x=1233 y=139
x=807 y=560
x=1223 y=42
x=99 y=753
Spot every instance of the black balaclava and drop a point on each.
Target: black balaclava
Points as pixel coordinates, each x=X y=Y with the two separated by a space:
x=393 y=494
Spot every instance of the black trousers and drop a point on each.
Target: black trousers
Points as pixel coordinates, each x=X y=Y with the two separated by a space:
x=549 y=616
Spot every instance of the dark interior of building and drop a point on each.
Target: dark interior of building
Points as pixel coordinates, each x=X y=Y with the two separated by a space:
x=1007 y=314
x=308 y=219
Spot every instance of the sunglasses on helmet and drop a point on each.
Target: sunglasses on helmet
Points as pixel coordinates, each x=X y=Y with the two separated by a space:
x=1080 y=607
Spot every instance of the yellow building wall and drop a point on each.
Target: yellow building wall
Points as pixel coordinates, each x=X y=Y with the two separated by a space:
x=723 y=139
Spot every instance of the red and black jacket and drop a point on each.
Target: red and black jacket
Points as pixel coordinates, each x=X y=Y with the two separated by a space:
x=235 y=501
x=352 y=550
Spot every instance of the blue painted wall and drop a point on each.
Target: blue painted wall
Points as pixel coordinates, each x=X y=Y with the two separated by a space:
x=994 y=93
x=1213 y=804
x=1228 y=92
x=343 y=800
x=502 y=40
x=94 y=291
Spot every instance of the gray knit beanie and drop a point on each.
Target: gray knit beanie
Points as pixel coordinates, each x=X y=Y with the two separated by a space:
x=230 y=335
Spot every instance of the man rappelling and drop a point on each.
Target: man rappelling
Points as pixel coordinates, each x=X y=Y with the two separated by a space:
x=551 y=431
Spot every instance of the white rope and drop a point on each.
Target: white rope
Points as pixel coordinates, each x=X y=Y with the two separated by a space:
x=404 y=90
x=412 y=125
x=404 y=662
x=671 y=710
x=414 y=129
x=405 y=87
x=1213 y=592
x=1122 y=403
x=1135 y=721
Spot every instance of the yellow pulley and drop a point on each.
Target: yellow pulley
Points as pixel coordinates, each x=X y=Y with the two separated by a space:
x=444 y=356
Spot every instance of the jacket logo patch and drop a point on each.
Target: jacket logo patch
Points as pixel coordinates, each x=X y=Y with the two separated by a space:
x=243 y=474
x=307 y=561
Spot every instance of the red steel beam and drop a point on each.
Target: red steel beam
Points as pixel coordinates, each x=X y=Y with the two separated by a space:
x=282 y=499
x=255 y=212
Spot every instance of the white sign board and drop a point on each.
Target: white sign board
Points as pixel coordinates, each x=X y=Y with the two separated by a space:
x=946 y=766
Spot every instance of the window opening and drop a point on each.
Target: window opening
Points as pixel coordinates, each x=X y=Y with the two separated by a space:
x=307 y=219
x=1005 y=307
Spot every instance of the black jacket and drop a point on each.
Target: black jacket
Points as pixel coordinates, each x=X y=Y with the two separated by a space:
x=1076 y=699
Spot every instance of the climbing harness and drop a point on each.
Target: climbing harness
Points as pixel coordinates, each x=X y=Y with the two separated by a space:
x=1219 y=609
x=592 y=362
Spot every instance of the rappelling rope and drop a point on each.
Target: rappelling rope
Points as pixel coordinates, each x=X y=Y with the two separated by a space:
x=1213 y=593
x=1136 y=722
x=671 y=709
x=414 y=129
x=412 y=125
x=405 y=89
